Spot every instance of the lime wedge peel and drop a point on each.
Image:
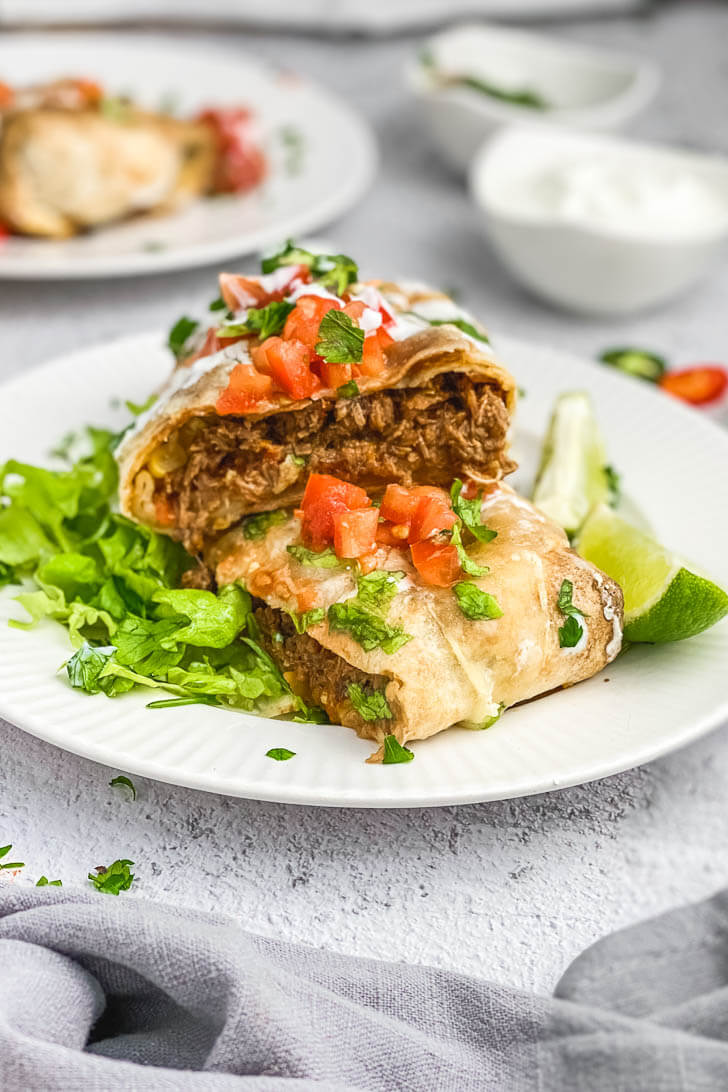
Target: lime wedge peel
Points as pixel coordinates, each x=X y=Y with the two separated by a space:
x=663 y=599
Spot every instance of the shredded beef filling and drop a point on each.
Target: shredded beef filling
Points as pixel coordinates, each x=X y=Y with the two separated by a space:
x=453 y=427
x=318 y=674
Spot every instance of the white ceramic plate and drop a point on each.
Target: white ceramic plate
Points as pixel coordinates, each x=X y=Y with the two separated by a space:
x=322 y=155
x=655 y=699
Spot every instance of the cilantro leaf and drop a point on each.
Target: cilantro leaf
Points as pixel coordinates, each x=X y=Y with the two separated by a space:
x=264 y=321
x=117 y=877
x=257 y=526
x=572 y=630
x=45 y=882
x=462 y=324
x=476 y=604
x=340 y=339
x=302 y=622
x=280 y=754
x=466 y=564
x=322 y=559
x=369 y=703
x=217 y=304
x=179 y=335
x=4 y=850
x=126 y=782
x=137 y=408
x=470 y=512
x=333 y=271
x=348 y=390
x=366 y=628
x=394 y=752
x=376 y=590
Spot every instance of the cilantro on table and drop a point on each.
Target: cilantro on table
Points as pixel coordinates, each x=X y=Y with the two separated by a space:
x=370 y=704
x=469 y=511
x=334 y=271
x=348 y=390
x=257 y=526
x=117 y=877
x=280 y=754
x=340 y=341
x=462 y=324
x=265 y=321
x=126 y=782
x=394 y=752
x=114 y=585
x=320 y=559
x=4 y=850
x=476 y=604
x=572 y=630
x=179 y=335
x=45 y=882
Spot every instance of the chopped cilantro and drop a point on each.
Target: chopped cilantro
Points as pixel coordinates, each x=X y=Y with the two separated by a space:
x=340 y=339
x=126 y=782
x=45 y=882
x=302 y=622
x=179 y=335
x=366 y=628
x=218 y=304
x=466 y=564
x=469 y=511
x=475 y=603
x=265 y=321
x=571 y=632
x=333 y=271
x=297 y=460
x=137 y=408
x=321 y=559
x=4 y=850
x=348 y=390
x=369 y=703
x=394 y=752
x=376 y=590
x=280 y=754
x=257 y=526
x=462 y=324
x=117 y=877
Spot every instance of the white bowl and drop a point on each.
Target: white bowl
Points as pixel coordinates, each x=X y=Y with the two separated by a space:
x=584 y=87
x=590 y=257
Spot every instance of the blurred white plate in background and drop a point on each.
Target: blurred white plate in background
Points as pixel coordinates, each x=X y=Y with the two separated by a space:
x=655 y=699
x=322 y=155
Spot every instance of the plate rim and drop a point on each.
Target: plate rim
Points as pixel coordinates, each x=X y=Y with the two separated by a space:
x=397 y=797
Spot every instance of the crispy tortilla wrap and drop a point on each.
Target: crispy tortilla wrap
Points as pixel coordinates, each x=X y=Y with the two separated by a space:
x=440 y=407
x=454 y=668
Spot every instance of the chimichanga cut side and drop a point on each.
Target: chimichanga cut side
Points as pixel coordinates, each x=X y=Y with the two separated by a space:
x=242 y=424
x=388 y=654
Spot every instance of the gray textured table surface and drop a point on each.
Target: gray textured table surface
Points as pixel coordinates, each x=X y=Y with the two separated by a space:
x=509 y=890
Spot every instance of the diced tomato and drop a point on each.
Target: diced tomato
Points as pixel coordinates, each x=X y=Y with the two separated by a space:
x=355 y=310
x=399 y=504
x=211 y=344
x=241 y=292
x=290 y=365
x=163 y=510
x=90 y=91
x=372 y=357
x=433 y=514
x=6 y=95
x=437 y=563
x=241 y=162
x=323 y=497
x=355 y=532
x=698 y=385
x=334 y=375
x=386 y=535
x=246 y=388
x=304 y=320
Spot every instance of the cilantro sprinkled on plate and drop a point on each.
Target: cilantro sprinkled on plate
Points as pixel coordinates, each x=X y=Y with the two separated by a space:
x=394 y=752
x=117 y=877
x=280 y=754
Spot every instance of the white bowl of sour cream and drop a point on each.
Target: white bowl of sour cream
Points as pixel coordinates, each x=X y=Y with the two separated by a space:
x=597 y=224
x=472 y=79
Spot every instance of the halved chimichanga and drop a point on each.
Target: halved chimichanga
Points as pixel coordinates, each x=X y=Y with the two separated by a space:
x=456 y=607
x=72 y=159
x=306 y=370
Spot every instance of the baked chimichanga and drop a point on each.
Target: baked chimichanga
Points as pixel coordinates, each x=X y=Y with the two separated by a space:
x=305 y=370
x=455 y=610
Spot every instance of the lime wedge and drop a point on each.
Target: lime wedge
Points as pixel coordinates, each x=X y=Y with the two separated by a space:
x=572 y=477
x=663 y=600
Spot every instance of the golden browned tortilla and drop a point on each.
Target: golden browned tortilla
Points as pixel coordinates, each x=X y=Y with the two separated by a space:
x=453 y=670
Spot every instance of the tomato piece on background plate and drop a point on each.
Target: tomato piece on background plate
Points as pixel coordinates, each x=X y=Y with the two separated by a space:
x=323 y=497
x=355 y=532
x=241 y=162
x=246 y=388
x=290 y=366
x=436 y=562
x=699 y=385
x=6 y=94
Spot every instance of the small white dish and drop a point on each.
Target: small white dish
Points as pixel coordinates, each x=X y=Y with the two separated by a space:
x=648 y=702
x=580 y=86
x=307 y=133
x=596 y=224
